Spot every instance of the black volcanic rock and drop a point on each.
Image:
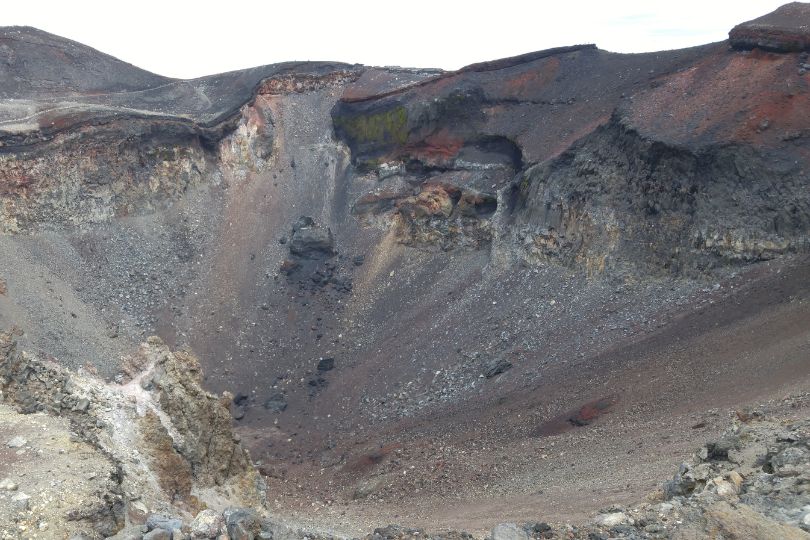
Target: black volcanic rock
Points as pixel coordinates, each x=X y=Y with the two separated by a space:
x=496 y=366
x=276 y=403
x=326 y=364
x=311 y=241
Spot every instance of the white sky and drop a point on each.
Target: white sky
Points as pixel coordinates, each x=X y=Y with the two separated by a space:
x=193 y=38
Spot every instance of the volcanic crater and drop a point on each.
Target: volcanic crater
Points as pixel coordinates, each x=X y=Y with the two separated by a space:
x=522 y=290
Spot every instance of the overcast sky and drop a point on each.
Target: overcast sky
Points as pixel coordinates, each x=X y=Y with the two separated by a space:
x=193 y=38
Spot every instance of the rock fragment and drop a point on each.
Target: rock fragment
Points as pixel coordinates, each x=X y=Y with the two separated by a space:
x=17 y=442
x=495 y=367
x=508 y=531
x=207 y=524
x=242 y=523
x=158 y=534
x=276 y=403
x=8 y=485
x=326 y=364
x=21 y=500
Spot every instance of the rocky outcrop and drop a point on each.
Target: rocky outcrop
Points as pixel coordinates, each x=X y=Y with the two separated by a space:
x=120 y=171
x=618 y=200
x=784 y=30
x=85 y=137
x=200 y=425
x=313 y=262
x=170 y=441
x=433 y=212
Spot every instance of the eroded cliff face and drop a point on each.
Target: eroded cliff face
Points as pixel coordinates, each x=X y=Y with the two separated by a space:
x=72 y=180
x=617 y=200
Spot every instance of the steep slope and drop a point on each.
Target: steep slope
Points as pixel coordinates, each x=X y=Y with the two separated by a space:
x=417 y=284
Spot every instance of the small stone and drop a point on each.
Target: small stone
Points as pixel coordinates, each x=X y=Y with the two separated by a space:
x=508 y=531
x=326 y=364
x=735 y=478
x=654 y=528
x=82 y=405
x=367 y=487
x=158 y=534
x=242 y=524
x=276 y=403
x=665 y=508
x=539 y=527
x=21 y=500
x=724 y=488
x=138 y=512
x=159 y=521
x=496 y=367
x=612 y=519
x=17 y=442
x=207 y=524
x=238 y=413
x=7 y=485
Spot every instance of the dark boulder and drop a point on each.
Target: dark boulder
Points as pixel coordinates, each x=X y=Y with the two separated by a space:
x=310 y=241
x=276 y=403
x=242 y=523
x=496 y=366
x=326 y=364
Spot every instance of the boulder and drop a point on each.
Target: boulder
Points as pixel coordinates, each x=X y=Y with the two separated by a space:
x=276 y=403
x=160 y=521
x=612 y=519
x=326 y=364
x=508 y=531
x=242 y=523
x=310 y=241
x=496 y=366
x=158 y=534
x=207 y=524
